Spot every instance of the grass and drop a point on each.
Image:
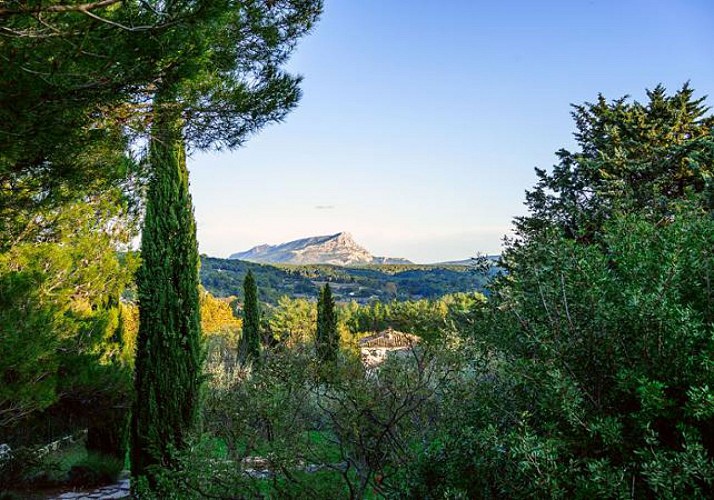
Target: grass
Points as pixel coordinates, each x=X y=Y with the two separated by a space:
x=322 y=444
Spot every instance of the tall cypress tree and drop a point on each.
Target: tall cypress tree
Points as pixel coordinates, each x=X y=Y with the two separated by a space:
x=168 y=359
x=219 y=80
x=250 y=340
x=327 y=340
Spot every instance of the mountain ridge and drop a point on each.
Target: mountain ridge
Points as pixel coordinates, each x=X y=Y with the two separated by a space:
x=337 y=249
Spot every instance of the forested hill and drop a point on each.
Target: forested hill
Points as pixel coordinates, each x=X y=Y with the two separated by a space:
x=224 y=277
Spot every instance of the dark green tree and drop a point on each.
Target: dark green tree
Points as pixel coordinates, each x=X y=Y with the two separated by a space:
x=327 y=341
x=632 y=156
x=250 y=339
x=168 y=356
x=217 y=81
x=65 y=113
x=601 y=328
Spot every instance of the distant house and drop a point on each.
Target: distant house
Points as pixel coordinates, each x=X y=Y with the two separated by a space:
x=375 y=348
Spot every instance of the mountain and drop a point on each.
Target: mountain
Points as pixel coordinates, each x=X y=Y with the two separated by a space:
x=336 y=249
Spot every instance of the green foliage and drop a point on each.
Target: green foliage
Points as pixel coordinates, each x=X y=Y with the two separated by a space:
x=615 y=340
x=96 y=469
x=69 y=467
x=250 y=339
x=301 y=438
x=632 y=157
x=218 y=81
x=59 y=315
x=275 y=435
x=168 y=346
x=429 y=319
x=293 y=321
x=224 y=277
x=598 y=340
x=18 y=468
x=64 y=119
x=327 y=340
x=602 y=327
x=610 y=302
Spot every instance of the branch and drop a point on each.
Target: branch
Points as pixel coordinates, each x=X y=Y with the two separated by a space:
x=59 y=8
x=119 y=25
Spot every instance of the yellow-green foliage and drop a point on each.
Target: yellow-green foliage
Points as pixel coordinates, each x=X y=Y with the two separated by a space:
x=294 y=321
x=217 y=316
x=58 y=299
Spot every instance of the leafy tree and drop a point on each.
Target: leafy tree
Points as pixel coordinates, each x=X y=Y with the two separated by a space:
x=327 y=340
x=600 y=333
x=293 y=321
x=217 y=315
x=605 y=351
x=59 y=317
x=69 y=70
x=250 y=340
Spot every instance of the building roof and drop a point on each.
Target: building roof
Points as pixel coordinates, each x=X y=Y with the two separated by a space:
x=389 y=339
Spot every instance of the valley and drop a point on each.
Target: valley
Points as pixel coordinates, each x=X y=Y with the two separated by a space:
x=362 y=284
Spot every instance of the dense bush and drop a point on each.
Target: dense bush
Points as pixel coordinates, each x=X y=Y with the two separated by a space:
x=599 y=337
x=598 y=378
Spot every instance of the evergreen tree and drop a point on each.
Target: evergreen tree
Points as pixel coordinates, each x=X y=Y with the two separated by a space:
x=631 y=157
x=58 y=313
x=250 y=340
x=224 y=85
x=603 y=322
x=327 y=340
x=168 y=359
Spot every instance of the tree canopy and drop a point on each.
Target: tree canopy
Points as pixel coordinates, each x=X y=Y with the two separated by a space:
x=631 y=156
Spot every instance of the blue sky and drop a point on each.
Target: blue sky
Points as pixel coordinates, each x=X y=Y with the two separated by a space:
x=421 y=120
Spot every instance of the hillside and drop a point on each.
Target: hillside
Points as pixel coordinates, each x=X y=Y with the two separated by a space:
x=224 y=277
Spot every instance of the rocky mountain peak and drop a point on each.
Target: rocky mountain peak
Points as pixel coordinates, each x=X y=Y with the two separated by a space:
x=338 y=249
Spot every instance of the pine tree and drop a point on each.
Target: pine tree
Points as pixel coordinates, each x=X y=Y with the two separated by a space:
x=168 y=359
x=250 y=340
x=327 y=341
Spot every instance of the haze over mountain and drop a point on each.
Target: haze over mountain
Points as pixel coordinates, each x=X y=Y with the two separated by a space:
x=338 y=249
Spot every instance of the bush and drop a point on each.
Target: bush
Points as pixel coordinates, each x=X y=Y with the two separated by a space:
x=15 y=467
x=603 y=388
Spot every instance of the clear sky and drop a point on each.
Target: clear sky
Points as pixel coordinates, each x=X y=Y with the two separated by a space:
x=421 y=120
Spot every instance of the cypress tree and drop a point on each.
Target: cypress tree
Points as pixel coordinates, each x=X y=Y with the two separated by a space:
x=219 y=81
x=250 y=340
x=168 y=354
x=327 y=340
